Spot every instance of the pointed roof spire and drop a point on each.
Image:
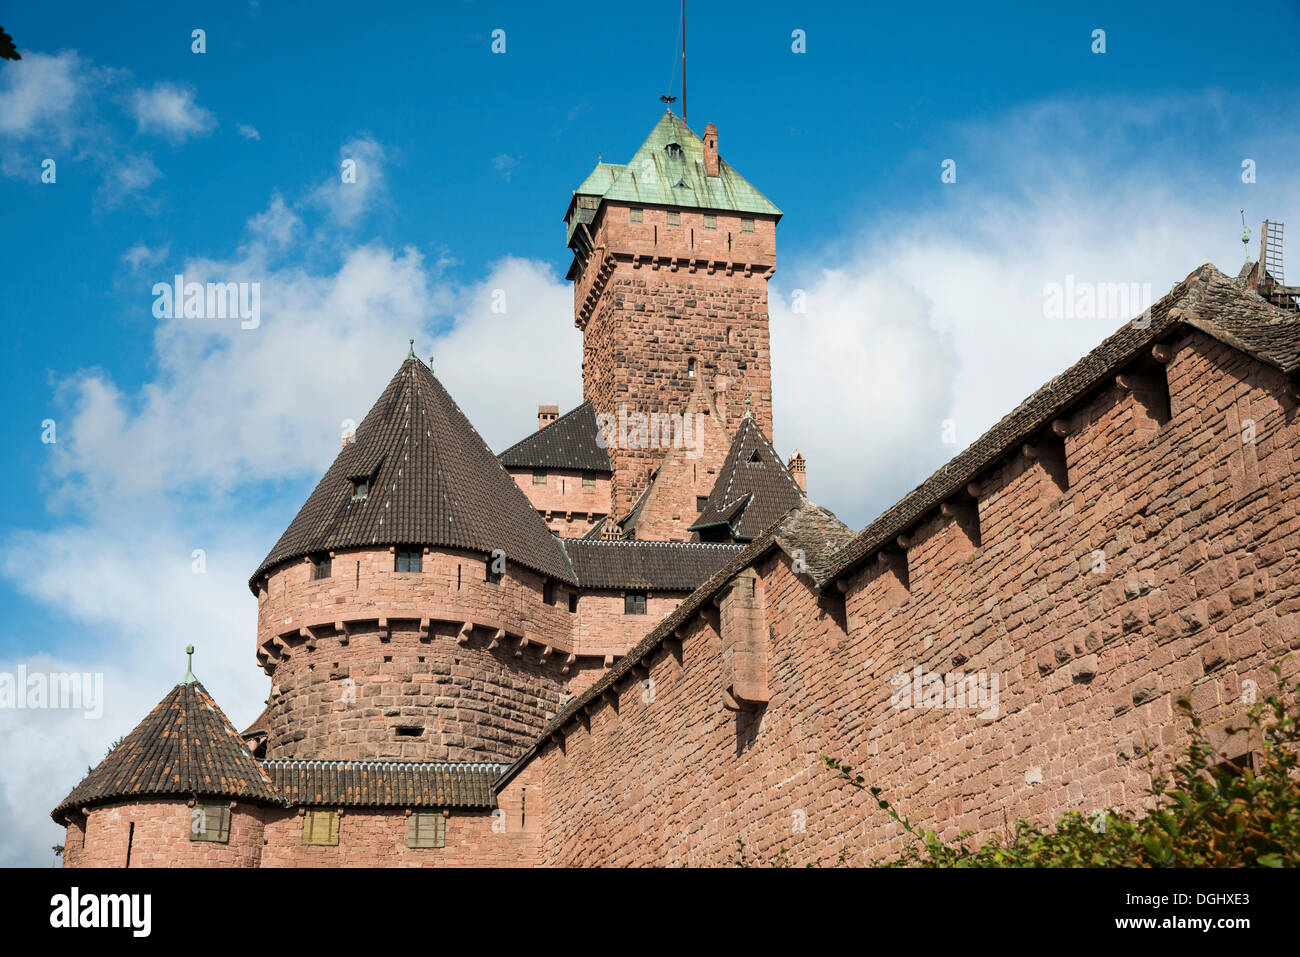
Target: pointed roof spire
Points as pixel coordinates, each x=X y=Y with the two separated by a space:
x=410 y=352
x=754 y=489
x=189 y=678
x=185 y=747
x=432 y=481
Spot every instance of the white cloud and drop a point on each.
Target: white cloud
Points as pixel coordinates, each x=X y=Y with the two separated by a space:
x=505 y=164
x=357 y=183
x=171 y=111
x=143 y=255
x=248 y=132
x=42 y=95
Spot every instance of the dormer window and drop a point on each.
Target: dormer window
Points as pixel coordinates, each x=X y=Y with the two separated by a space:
x=755 y=458
x=360 y=489
x=674 y=150
x=407 y=560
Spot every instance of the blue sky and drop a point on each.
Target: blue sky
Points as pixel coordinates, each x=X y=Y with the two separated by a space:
x=925 y=298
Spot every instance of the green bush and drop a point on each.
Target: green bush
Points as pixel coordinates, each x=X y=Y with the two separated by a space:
x=1207 y=813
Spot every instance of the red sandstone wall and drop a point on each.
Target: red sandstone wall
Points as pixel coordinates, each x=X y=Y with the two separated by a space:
x=569 y=509
x=665 y=294
x=376 y=837
x=161 y=837
x=603 y=629
x=1199 y=594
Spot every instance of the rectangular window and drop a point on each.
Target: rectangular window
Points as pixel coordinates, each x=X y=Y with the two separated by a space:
x=408 y=560
x=548 y=593
x=746 y=225
x=360 y=489
x=700 y=502
x=589 y=481
x=210 y=822
x=321 y=567
x=491 y=574
x=634 y=215
x=320 y=828
x=426 y=829
x=674 y=218
x=539 y=478
x=573 y=601
x=710 y=221
x=634 y=603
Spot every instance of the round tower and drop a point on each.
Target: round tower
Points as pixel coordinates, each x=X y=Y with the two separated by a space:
x=417 y=607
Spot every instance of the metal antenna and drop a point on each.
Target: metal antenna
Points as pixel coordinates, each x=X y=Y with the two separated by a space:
x=683 y=61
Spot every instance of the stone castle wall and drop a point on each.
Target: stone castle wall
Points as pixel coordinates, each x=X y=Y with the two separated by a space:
x=568 y=507
x=1167 y=565
x=156 y=833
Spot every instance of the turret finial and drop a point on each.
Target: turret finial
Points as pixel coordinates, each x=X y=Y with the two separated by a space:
x=189 y=678
x=410 y=354
x=749 y=414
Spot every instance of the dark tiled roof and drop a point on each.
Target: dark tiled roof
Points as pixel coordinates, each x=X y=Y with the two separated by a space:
x=384 y=783
x=433 y=481
x=753 y=489
x=666 y=566
x=1206 y=300
x=186 y=747
x=809 y=532
x=570 y=442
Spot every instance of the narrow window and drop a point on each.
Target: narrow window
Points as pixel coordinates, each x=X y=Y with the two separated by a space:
x=674 y=218
x=634 y=215
x=321 y=567
x=210 y=822
x=458 y=577
x=320 y=828
x=426 y=829
x=710 y=221
x=573 y=602
x=130 y=840
x=539 y=478
x=746 y=225
x=690 y=368
x=360 y=489
x=589 y=481
x=548 y=593
x=409 y=731
x=634 y=603
x=408 y=560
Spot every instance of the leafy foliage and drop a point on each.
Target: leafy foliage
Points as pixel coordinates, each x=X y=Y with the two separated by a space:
x=1205 y=813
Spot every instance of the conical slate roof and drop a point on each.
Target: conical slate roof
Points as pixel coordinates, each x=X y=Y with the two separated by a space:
x=432 y=480
x=186 y=747
x=753 y=489
x=570 y=442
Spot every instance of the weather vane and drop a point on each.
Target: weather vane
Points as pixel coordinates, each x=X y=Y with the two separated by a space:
x=670 y=100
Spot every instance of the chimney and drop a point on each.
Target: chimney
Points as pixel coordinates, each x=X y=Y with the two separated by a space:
x=546 y=414
x=798 y=470
x=710 y=150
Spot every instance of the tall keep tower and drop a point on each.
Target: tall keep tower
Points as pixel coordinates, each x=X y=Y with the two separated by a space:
x=672 y=252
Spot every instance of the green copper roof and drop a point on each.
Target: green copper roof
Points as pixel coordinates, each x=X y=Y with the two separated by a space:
x=658 y=176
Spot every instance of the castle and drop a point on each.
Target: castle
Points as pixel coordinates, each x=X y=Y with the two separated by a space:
x=629 y=638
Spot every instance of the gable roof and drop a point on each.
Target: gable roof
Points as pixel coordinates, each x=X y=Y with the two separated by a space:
x=753 y=489
x=1206 y=300
x=384 y=783
x=570 y=442
x=433 y=481
x=654 y=177
x=663 y=566
x=185 y=747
